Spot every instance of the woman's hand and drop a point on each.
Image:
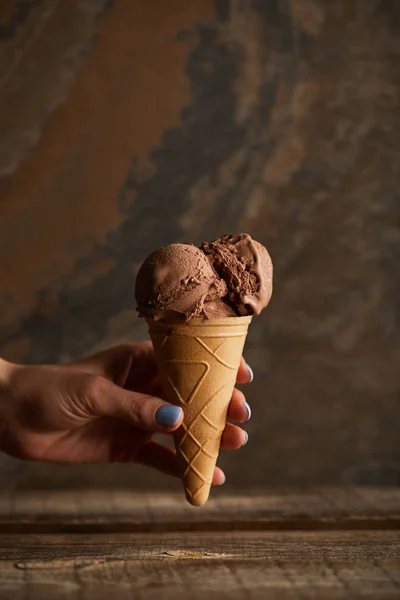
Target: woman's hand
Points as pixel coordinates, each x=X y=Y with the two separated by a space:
x=103 y=408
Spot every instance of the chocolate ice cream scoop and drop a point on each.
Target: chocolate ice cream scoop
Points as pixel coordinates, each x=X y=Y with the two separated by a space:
x=246 y=268
x=229 y=277
x=177 y=281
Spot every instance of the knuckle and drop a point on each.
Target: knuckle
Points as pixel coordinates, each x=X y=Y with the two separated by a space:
x=138 y=407
x=91 y=386
x=126 y=348
x=93 y=391
x=133 y=403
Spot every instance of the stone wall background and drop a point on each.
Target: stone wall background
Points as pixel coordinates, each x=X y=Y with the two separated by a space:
x=130 y=124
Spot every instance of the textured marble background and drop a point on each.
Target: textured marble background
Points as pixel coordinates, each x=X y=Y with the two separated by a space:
x=130 y=124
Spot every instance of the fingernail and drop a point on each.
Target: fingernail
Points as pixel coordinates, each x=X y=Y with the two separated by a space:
x=222 y=482
x=246 y=439
x=168 y=415
x=250 y=370
x=247 y=407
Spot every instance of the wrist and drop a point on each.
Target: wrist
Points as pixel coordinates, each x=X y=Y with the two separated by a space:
x=6 y=371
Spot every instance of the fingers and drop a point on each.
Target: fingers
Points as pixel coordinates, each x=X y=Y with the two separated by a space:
x=245 y=372
x=238 y=409
x=218 y=477
x=233 y=437
x=136 y=397
x=100 y=397
x=158 y=457
x=163 y=459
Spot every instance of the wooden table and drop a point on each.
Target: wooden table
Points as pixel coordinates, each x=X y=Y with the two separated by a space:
x=325 y=543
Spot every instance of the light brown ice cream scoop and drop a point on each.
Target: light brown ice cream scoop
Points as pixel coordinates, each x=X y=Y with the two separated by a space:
x=178 y=281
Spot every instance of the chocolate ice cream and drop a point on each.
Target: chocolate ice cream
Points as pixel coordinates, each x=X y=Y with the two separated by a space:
x=246 y=267
x=229 y=277
x=177 y=281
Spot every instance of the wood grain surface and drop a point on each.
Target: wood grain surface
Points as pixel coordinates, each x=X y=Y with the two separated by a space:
x=126 y=125
x=316 y=508
x=151 y=545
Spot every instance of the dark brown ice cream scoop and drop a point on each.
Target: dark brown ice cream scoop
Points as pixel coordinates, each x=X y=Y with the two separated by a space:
x=246 y=268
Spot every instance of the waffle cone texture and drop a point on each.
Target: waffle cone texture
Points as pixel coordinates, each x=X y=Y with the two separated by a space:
x=198 y=363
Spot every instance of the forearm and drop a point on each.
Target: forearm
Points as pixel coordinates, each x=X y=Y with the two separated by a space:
x=6 y=371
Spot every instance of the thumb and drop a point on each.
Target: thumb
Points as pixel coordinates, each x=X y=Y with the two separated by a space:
x=106 y=399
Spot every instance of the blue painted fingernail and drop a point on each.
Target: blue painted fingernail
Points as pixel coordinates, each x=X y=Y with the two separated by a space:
x=246 y=438
x=168 y=415
x=247 y=407
x=250 y=370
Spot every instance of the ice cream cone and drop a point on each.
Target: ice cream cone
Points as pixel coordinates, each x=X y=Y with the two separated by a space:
x=198 y=363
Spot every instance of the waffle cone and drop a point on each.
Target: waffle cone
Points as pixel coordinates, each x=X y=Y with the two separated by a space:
x=198 y=363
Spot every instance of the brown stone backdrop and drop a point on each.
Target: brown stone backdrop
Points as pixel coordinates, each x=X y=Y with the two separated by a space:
x=130 y=124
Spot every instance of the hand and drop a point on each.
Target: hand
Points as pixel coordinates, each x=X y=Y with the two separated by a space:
x=103 y=408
